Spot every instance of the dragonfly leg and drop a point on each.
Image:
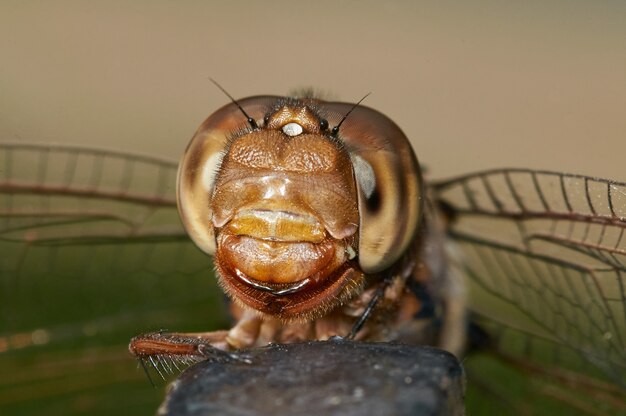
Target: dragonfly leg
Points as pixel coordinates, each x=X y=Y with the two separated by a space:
x=380 y=291
x=164 y=351
x=201 y=345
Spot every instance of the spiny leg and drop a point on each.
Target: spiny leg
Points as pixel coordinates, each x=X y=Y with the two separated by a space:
x=164 y=351
x=380 y=291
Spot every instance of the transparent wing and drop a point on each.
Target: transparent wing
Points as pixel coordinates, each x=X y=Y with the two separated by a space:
x=545 y=258
x=92 y=253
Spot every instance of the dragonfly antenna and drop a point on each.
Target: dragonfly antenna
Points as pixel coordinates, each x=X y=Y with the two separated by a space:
x=335 y=129
x=250 y=119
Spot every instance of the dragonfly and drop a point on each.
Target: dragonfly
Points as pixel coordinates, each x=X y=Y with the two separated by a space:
x=94 y=252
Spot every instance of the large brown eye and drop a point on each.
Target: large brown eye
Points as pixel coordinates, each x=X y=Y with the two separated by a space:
x=389 y=184
x=201 y=163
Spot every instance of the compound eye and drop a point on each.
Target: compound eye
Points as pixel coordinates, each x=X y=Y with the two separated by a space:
x=201 y=164
x=292 y=129
x=388 y=182
x=323 y=124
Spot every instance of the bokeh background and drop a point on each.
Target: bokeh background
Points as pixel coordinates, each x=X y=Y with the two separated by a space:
x=474 y=85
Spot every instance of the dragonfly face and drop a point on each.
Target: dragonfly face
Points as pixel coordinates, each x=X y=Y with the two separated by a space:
x=279 y=248
x=292 y=211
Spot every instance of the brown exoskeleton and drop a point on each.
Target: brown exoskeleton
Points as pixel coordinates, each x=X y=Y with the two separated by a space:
x=317 y=231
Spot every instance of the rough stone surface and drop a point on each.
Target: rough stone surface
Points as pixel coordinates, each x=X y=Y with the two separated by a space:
x=334 y=377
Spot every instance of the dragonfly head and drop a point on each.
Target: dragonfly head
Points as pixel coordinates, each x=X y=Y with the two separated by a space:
x=297 y=213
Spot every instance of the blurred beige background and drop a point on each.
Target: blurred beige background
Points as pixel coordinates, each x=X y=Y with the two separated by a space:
x=475 y=84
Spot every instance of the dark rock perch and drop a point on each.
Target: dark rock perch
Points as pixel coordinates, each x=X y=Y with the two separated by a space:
x=335 y=377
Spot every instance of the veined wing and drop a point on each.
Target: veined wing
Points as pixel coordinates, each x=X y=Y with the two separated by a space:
x=92 y=254
x=545 y=257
